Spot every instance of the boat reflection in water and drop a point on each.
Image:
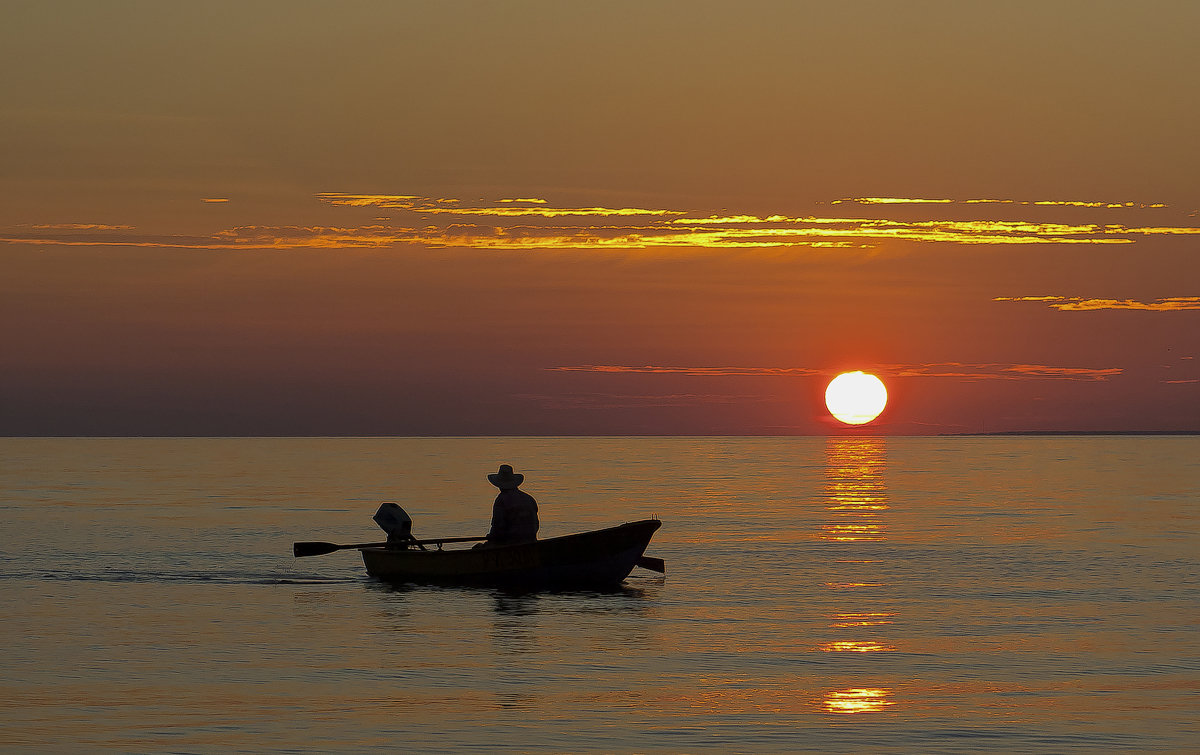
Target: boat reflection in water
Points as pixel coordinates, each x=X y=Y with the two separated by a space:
x=856 y=504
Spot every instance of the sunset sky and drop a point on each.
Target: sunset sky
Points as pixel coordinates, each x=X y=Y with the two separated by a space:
x=513 y=218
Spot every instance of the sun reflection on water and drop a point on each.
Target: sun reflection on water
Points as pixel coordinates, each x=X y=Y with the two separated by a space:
x=855 y=493
x=856 y=504
x=850 y=646
x=869 y=619
x=857 y=700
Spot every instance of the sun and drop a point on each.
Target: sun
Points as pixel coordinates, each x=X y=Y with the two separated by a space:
x=855 y=398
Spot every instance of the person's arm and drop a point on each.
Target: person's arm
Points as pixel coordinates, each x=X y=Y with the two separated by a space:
x=499 y=523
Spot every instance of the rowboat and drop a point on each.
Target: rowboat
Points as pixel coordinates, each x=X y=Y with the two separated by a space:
x=597 y=559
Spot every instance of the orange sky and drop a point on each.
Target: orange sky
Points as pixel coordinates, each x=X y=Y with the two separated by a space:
x=625 y=218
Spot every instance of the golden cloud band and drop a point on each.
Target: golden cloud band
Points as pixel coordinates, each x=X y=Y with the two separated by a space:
x=1081 y=304
x=489 y=225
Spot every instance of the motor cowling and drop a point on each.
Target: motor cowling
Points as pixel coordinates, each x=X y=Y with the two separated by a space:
x=395 y=521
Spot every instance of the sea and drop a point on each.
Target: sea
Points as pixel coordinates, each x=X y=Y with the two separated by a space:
x=822 y=594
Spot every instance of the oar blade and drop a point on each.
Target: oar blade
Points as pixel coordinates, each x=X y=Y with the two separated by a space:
x=653 y=564
x=300 y=550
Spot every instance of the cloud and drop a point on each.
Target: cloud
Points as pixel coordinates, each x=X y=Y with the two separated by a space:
x=569 y=401
x=1069 y=373
x=1036 y=203
x=695 y=371
x=667 y=228
x=1080 y=304
x=241 y=237
x=77 y=227
x=959 y=370
x=892 y=200
x=534 y=224
x=431 y=206
x=1160 y=231
x=947 y=231
x=996 y=371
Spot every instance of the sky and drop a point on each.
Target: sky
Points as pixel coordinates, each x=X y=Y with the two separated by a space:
x=281 y=217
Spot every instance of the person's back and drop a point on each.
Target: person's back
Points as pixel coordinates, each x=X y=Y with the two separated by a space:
x=515 y=512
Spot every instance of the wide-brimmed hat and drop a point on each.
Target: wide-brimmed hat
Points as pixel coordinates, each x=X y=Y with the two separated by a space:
x=505 y=479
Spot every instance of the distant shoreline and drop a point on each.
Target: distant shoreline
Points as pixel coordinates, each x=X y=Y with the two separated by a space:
x=1080 y=432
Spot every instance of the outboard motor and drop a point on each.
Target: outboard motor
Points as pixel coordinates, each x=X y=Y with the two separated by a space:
x=396 y=522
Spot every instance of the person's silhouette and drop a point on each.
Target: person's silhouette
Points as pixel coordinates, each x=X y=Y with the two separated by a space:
x=515 y=512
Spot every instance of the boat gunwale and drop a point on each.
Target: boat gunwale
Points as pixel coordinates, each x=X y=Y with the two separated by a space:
x=601 y=557
x=495 y=548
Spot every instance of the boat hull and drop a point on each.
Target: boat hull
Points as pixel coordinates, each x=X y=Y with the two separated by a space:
x=598 y=559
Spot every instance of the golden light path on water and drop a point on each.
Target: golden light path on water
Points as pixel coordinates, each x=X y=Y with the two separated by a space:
x=856 y=502
x=857 y=700
x=855 y=494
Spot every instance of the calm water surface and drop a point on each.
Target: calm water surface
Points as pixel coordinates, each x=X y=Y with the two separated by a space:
x=834 y=595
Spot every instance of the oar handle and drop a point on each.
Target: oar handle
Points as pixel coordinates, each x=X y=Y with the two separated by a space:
x=299 y=550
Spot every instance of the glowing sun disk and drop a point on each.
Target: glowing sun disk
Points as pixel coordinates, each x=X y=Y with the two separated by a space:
x=855 y=398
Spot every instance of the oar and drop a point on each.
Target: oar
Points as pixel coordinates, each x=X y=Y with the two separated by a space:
x=653 y=564
x=299 y=550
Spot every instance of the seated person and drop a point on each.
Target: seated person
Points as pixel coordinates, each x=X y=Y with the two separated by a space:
x=515 y=512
